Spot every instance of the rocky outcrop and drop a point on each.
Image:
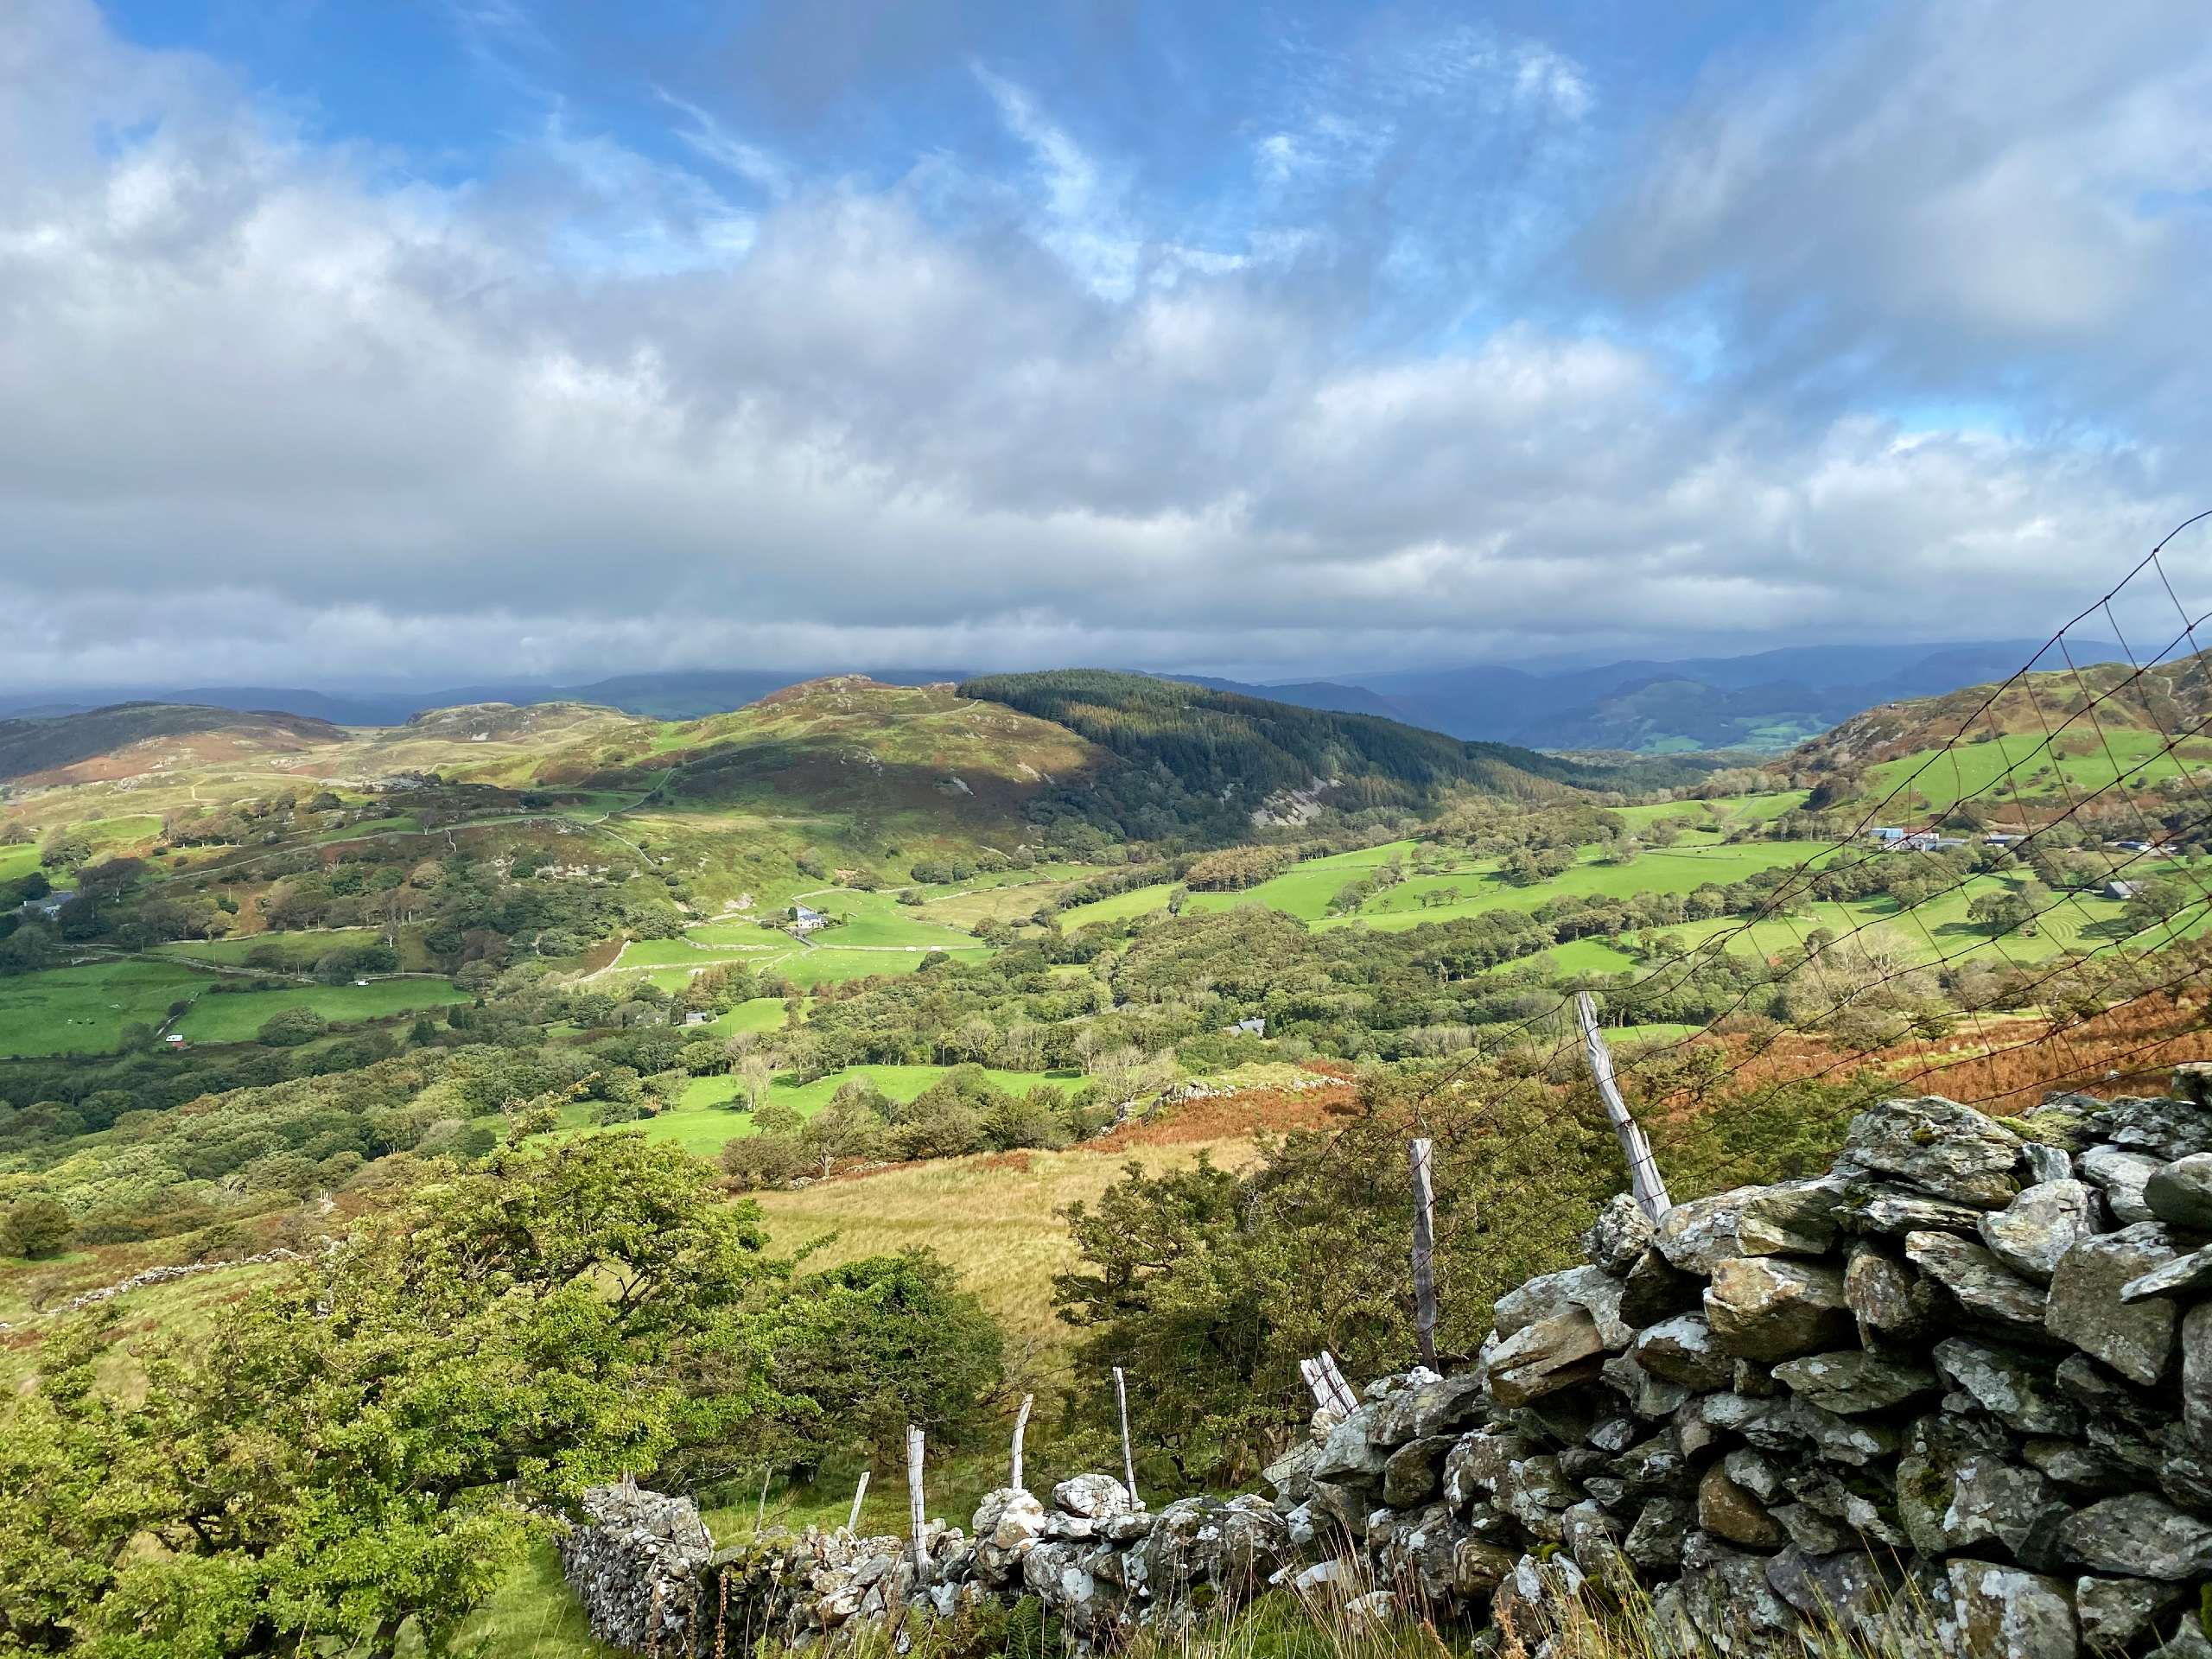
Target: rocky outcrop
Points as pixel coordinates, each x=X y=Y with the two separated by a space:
x=1966 y=1371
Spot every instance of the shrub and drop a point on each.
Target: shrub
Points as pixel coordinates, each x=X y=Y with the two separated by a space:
x=37 y=1228
x=290 y=1027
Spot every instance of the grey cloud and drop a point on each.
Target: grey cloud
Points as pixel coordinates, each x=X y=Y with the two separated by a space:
x=1938 y=190
x=272 y=416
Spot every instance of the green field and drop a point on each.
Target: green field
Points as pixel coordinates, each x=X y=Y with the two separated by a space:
x=405 y=824
x=235 y=1017
x=761 y=1014
x=83 y=1010
x=15 y=862
x=1591 y=955
x=1677 y=869
x=703 y=1119
x=736 y=936
x=1713 y=816
x=131 y=826
x=1978 y=769
x=1304 y=890
x=826 y=965
x=675 y=953
x=878 y=919
x=296 y=950
x=1138 y=901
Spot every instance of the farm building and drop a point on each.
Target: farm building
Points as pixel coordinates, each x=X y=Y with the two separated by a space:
x=1887 y=832
x=2119 y=889
x=804 y=920
x=695 y=1018
x=1255 y=1027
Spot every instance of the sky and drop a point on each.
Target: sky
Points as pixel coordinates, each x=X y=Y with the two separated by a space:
x=365 y=341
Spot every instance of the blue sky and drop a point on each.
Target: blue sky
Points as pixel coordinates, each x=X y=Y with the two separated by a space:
x=351 y=341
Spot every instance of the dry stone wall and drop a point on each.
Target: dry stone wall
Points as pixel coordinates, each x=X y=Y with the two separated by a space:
x=1967 y=1372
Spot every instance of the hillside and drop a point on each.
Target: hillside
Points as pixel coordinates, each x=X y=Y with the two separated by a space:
x=2045 y=740
x=1763 y=701
x=1227 y=761
x=129 y=740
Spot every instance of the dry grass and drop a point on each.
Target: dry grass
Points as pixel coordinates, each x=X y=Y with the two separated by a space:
x=2007 y=1063
x=994 y=1217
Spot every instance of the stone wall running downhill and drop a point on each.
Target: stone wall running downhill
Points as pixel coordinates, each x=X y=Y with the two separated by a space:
x=1970 y=1367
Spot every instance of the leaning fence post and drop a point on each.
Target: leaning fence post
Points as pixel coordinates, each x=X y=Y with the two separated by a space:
x=1424 y=1252
x=1021 y=1424
x=1128 y=1456
x=1347 y=1401
x=917 y=1513
x=853 y=1521
x=1643 y=1177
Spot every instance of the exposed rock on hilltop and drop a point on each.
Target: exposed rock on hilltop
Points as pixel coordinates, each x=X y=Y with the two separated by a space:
x=1967 y=1372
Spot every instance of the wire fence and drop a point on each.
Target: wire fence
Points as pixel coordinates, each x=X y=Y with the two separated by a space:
x=2047 y=713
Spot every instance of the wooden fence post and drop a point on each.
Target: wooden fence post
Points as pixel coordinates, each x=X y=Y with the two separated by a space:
x=853 y=1521
x=1643 y=1168
x=1331 y=1391
x=1021 y=1426
x=1129 y=1455
x=917 y=1511
x=1418 y=1154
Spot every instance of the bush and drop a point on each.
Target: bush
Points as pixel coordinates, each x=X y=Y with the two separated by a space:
x=291 y=1028
x=37 y=1228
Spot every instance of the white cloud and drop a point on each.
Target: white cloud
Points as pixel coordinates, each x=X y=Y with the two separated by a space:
x=1944 y=186
x=274 y=415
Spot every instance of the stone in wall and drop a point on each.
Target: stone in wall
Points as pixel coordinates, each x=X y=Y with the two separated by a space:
x=1965 y=1367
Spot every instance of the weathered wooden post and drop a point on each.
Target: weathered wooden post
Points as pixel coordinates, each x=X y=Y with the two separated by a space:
x=761 y=1515
x=853 y=1521
x=1129 y=1455
x=1651 y=1192
x=1021 y=1426
x=1328 y=1384
x=1418 y=1155
x=917 y=1511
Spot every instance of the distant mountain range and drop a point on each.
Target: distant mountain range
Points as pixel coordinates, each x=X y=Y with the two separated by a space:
x=1767 y=702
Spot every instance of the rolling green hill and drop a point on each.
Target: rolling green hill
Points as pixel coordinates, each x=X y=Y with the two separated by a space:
x=1221 y=763
x=2043 y=741
x=132 y=738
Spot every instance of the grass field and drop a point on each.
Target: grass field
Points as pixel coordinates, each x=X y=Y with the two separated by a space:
x=130 y=826
x=1940 y=928
x=1578 y=956
x=83 y=1010
x=235 y=1017
x=405 y=824
x=994 y=1217
x=298 y=951
x=15 y=862
x=679 y=953
x=2038 y=776
x=1715 y=816
x=761 y=1014
x=879 y=919
x=826 y=965
x=733 y=936
x=1304 y=890
x=704 y=1121
x=1138 y=901
x=1677 y=869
